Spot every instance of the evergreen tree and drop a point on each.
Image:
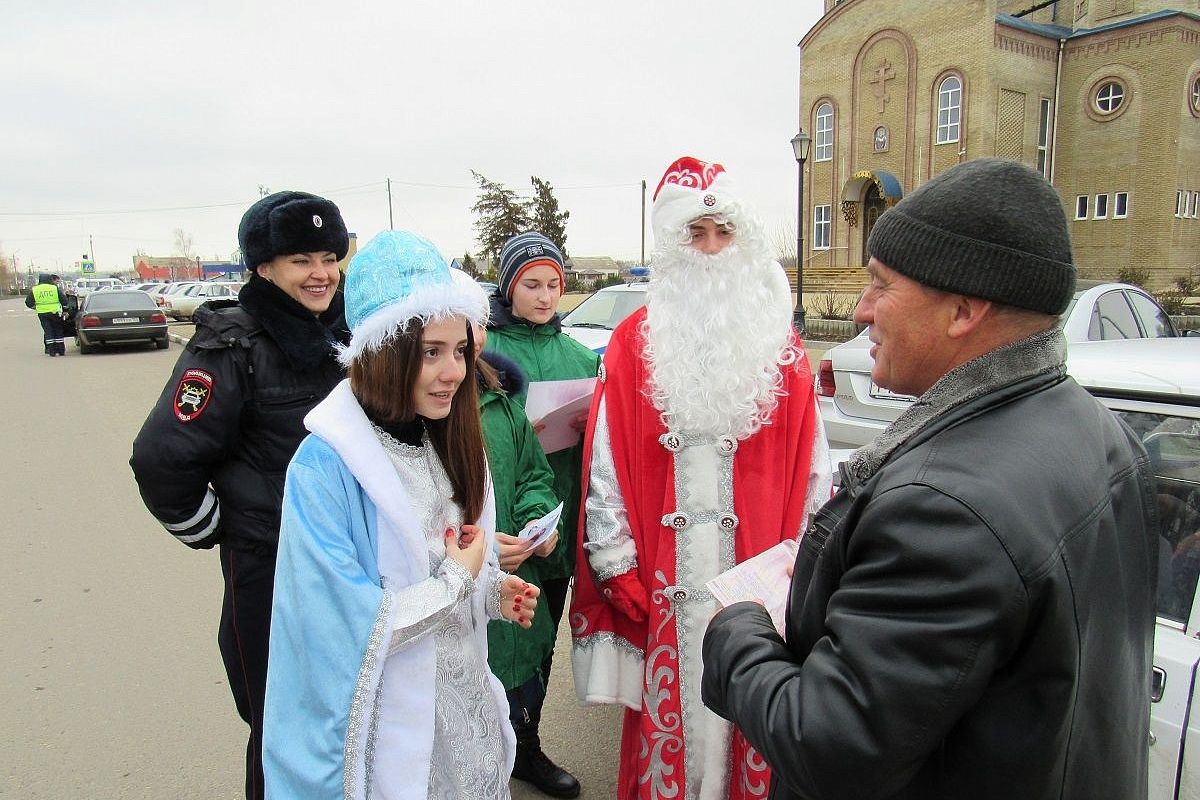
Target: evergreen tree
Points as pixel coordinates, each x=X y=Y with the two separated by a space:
x=501 y=215
x=469 y=266
x=547 y=218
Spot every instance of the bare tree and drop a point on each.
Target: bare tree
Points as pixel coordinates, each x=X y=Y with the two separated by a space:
x=782 y=241
x=8 y=282
x=184 y=244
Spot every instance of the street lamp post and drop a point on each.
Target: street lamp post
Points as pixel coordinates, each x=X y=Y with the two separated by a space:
x=800 y=143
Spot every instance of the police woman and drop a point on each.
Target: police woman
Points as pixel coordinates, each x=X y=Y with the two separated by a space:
x=211 y=456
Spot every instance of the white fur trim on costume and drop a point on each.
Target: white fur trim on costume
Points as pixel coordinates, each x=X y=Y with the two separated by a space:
x=677 y=206
x=425 y=303
x=607 y=670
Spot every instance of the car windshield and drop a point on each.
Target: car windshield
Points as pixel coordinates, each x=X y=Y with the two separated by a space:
x=605 y=309
x=120 y=301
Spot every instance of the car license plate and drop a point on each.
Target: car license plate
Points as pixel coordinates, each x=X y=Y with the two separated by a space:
x=879 y=393
x=119 y=320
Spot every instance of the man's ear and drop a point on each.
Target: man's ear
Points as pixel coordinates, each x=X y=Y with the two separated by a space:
x=967 y=314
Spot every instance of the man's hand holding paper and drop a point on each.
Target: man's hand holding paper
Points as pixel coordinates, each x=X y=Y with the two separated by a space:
x=764 y=579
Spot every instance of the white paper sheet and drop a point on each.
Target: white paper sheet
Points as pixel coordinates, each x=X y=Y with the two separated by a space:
x=540 y=530
x=763 y=577
x=554 y=405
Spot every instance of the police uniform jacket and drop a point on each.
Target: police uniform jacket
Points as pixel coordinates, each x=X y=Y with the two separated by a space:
x=211 y=457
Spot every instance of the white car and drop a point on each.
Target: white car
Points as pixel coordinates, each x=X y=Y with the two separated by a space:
x=855 y=410
x=1154 y=386
x=82 y=287
x=183 y=303
x=591 y=323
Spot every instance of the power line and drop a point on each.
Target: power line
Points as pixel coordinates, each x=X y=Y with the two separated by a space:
x=358 y=189
x=109 y=212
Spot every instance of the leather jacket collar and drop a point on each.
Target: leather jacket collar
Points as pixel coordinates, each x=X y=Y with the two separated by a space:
x=1041 y=354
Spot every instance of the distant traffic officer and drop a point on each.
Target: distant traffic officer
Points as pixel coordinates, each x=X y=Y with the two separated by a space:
x=211 y=456
x=47 y=299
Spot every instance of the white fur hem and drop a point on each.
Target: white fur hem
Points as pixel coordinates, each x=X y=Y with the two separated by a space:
x=425 y=303
x=607 y=672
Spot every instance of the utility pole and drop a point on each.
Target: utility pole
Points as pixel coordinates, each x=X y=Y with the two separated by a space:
x=391 y=226
x=643 y=222
x=91 y=250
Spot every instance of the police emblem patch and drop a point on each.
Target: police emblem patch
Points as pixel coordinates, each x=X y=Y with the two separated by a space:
x=192 y=394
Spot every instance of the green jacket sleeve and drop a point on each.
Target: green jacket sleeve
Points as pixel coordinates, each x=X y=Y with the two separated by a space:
x=534 y=481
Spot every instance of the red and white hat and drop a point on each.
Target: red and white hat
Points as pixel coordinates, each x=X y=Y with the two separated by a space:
x=691 y=189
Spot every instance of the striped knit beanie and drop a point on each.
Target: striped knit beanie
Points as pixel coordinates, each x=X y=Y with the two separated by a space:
x=526 y=251
x=989 y=228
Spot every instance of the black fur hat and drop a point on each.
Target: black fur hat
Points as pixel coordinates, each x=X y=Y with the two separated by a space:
x=291 y=222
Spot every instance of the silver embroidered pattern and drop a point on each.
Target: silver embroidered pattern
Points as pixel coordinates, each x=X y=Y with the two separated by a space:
x=492 y=597
x=607 y=527
x=615 y=568
x=754 y=773
x=422 y=608
x=609 y=640
x=358 y=705
x=702 y=525
x=468 y=756
x=660 y=677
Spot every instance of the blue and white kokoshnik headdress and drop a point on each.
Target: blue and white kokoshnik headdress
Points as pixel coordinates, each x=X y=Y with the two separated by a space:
x=396 y=278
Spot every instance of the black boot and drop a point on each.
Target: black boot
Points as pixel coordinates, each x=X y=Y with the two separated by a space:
x=535 y=767
x=532 y=765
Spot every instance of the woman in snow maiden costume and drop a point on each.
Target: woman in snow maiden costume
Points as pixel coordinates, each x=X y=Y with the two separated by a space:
x=525 y=326
x=378 y=684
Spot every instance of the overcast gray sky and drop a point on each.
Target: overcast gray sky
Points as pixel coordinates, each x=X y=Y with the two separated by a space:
x=128 y=120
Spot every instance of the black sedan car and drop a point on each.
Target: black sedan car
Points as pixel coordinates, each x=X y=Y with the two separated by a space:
x=117 y=317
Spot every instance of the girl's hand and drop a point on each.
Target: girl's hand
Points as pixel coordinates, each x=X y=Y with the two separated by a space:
x=518 y=600
x=467 y=549
x=513 y=551
x=580 y=422
x=547 y=547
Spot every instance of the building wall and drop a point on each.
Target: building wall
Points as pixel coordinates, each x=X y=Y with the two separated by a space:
x=1142 y=149
x=881 y=68
x=880 y=64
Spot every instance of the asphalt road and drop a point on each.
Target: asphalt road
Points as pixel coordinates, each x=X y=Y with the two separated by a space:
x=113 y=686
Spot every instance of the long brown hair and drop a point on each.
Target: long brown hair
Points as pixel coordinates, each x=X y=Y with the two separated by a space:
x=383 y=381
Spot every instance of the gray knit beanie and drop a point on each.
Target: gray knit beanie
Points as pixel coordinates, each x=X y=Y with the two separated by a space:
x=989 y=228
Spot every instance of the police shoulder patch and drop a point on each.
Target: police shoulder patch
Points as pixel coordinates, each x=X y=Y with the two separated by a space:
x=192 y=394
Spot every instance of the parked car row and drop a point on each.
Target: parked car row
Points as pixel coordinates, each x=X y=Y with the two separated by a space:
x=856 y=409
x=179 y=300
x=107 y=311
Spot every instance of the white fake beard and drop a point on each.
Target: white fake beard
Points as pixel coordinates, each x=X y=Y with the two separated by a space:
x=717 y=329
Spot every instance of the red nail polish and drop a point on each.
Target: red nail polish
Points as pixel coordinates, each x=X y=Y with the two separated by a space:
x=529 y=591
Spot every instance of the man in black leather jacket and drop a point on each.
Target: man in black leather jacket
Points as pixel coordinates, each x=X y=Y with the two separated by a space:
x=972 y=615
x=211 y=457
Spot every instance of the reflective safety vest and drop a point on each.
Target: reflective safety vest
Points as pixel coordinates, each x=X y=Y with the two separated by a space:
x=45 y=298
